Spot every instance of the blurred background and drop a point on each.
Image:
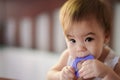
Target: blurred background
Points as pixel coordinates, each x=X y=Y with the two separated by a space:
x=31 y=37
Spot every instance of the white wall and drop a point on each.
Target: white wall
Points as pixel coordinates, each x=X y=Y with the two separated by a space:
x=116 y=34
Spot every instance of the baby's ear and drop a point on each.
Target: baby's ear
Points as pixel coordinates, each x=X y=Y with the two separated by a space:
x=107 y=38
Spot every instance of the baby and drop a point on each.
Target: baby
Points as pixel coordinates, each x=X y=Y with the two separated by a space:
x=86 y=26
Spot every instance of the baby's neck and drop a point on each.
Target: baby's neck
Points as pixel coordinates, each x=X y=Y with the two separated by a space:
x=104 y=54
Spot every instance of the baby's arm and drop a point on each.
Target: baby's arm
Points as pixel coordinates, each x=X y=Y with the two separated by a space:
x=116 y=73
x=53 y=73
x=60 y=67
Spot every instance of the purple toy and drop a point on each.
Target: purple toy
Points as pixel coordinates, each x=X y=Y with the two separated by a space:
x=79 y=59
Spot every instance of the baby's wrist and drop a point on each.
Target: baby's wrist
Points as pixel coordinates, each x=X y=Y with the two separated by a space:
x=111 y=75
x=107 y=77
x=59 y=74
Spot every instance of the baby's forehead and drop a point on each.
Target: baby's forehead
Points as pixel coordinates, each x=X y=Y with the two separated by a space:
x=84 y=27
x=83 y=22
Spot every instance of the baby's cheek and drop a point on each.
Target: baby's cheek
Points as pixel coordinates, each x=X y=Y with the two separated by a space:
x=73 y=55
x=96 y=55
x=97 y=52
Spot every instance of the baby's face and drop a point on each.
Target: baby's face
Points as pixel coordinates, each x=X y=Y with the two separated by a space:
x=86 y=37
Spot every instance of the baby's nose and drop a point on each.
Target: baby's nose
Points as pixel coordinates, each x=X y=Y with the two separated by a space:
x=82 y=51
x=81 y=48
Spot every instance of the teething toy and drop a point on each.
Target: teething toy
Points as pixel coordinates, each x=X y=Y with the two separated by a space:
x=79 y=59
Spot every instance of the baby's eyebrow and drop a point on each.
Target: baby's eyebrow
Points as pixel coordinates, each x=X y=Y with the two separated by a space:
x=90 y=33
x=68 y=35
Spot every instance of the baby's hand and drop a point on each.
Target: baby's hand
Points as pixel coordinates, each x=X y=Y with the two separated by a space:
x=93 y=68
x=67 y=73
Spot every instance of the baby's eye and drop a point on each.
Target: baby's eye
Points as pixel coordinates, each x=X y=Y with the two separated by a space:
x=89 y=39
x=73 y=40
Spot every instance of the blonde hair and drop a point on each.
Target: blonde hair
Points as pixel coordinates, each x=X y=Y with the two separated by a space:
x=76 y=10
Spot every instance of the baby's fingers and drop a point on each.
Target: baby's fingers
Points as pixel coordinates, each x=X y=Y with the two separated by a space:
x=71 y=72
x=85 y=71
x=86 y=74
x=71 y=69
x=90 y=75
x=68 y=72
